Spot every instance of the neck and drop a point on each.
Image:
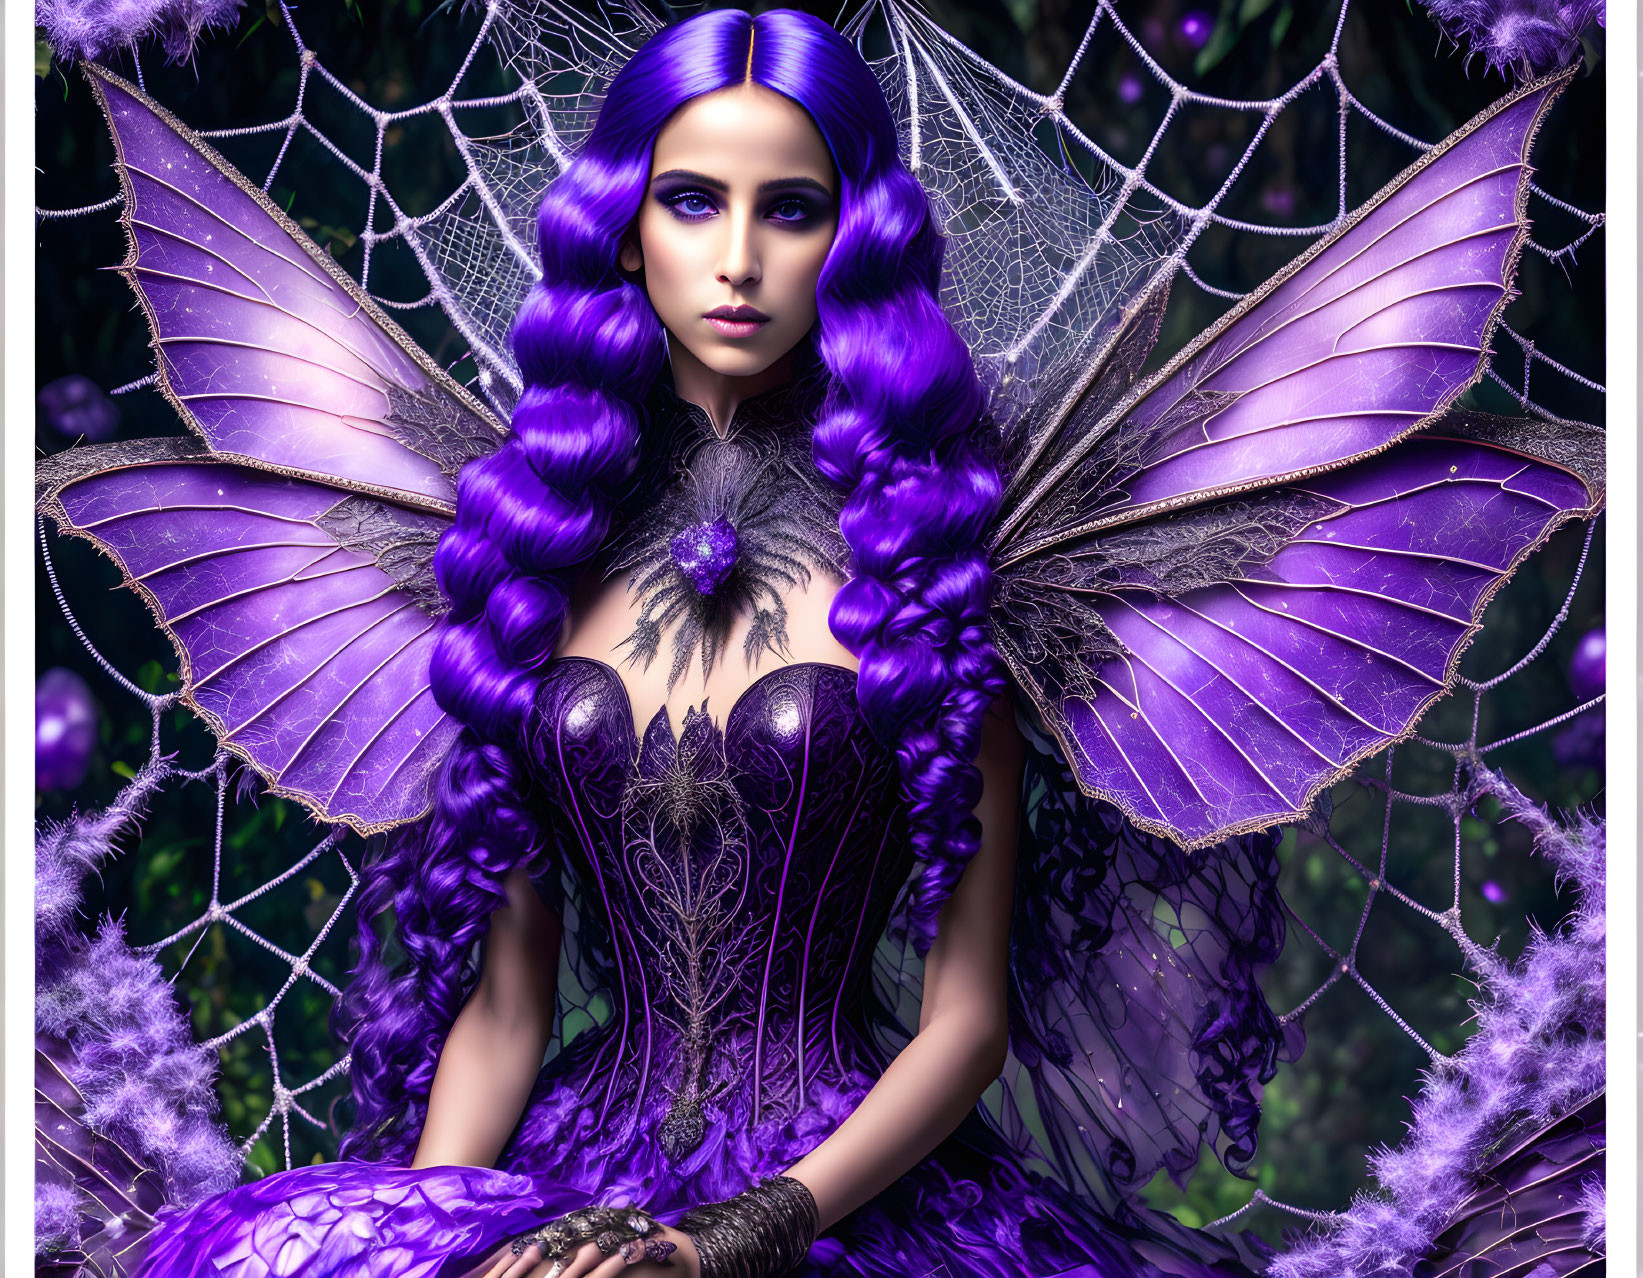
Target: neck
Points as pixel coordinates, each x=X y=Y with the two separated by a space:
x=718 y=394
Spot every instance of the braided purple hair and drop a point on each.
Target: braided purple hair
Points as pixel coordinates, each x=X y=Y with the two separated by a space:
x=897 y=431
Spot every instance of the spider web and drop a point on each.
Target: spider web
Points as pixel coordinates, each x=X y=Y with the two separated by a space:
x=1049 y=232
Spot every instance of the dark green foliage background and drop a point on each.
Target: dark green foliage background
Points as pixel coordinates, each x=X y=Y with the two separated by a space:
x=1346 y=1093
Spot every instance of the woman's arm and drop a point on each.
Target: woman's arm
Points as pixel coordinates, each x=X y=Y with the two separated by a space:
x=491 y=1058
x=963 y=1027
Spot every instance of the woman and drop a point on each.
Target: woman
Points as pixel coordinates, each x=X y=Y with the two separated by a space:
x=746 y=166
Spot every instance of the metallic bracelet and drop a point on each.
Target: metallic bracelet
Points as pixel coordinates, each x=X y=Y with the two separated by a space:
x=761 y=1233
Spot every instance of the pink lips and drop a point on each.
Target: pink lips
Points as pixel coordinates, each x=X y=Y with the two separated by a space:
x=737 y=321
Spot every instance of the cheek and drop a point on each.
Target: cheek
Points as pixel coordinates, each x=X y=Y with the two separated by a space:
x=667 y=264
x=802 y=268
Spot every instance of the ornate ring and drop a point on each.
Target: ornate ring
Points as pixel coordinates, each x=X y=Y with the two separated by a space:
x=606 y=1227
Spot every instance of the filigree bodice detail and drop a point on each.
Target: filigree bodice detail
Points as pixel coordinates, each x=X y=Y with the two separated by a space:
x=736 y=880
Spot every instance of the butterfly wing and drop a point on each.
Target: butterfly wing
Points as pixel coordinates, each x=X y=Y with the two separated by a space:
x=267 y=349
x=1364 y=339
x=286 y=549
x=1224 y=590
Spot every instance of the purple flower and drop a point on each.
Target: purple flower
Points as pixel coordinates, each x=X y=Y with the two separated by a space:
x=1586 y=667
x=1523 y=36
x=76 y=407
x=1493 y=892
x=97 y=28
x=65 y=729
x=1195 y=28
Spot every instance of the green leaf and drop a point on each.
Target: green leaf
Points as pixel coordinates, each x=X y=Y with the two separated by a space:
x=1281 y=25
x=121 y=768
x=252 y=29
x=42 y=55
x=1251 y=10
x=1221 y=40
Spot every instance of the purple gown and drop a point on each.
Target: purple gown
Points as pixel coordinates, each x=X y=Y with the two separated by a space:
x=753 y=870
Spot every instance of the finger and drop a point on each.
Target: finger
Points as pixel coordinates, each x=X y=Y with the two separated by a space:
x=524 y=1263
x=505 y=1260
x=612 y=1265
x=583 y=1261
x=509 y=1265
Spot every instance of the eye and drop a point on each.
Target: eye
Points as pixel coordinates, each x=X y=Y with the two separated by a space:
x=793 y=211
x=689 y=206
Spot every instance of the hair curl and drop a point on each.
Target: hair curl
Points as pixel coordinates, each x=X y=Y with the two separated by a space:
x=896 y=431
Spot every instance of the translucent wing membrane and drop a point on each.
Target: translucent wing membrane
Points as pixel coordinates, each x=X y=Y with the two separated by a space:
x=288 y=556
x=1365 y=338
x=1210 y=670
x=303 y=617
x=1217 y=675
x=1138 y=1032
x=117 y=1192
x=267 y=349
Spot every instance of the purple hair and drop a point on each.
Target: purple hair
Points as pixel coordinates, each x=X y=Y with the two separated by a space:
x=897 y=431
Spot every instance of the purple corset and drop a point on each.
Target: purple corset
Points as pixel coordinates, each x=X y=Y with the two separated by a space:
x=734 y=884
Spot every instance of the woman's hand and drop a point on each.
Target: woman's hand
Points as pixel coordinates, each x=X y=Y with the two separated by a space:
x=588 y=1262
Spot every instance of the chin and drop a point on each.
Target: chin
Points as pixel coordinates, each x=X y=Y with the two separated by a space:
x=738 y=363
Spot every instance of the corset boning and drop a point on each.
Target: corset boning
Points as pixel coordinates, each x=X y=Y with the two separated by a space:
x=735 y=885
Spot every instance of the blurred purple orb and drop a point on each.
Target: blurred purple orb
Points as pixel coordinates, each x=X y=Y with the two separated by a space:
x=1493 y=892
x=65 y=729
x=75 y=406
x=1586 y=667
x=1195 y=28
x=1582 y=744
x=1130 y=88
x=1279 y=199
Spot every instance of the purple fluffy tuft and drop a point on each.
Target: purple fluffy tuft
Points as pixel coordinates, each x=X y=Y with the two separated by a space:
x=56 y=1217
x=1537 y=1054
x=1594 y=1233
x=1525 y=37
x=146 y=1085
x=97 y=29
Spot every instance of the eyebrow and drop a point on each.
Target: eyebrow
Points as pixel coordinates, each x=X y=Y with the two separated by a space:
x=702 y=179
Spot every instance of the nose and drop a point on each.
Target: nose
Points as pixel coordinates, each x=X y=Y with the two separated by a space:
x=739 y=253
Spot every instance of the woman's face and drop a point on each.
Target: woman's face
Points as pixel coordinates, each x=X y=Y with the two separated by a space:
x=738 y=216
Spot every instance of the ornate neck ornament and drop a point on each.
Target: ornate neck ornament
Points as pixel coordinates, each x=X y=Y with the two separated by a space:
x=727 y=525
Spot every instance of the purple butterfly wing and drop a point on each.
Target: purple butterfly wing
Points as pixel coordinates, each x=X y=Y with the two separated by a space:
x=267 y=349
x=1365 y=338
x=303 y=616
x=1242 y=656
x=1237 y=582
x=287 y=552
